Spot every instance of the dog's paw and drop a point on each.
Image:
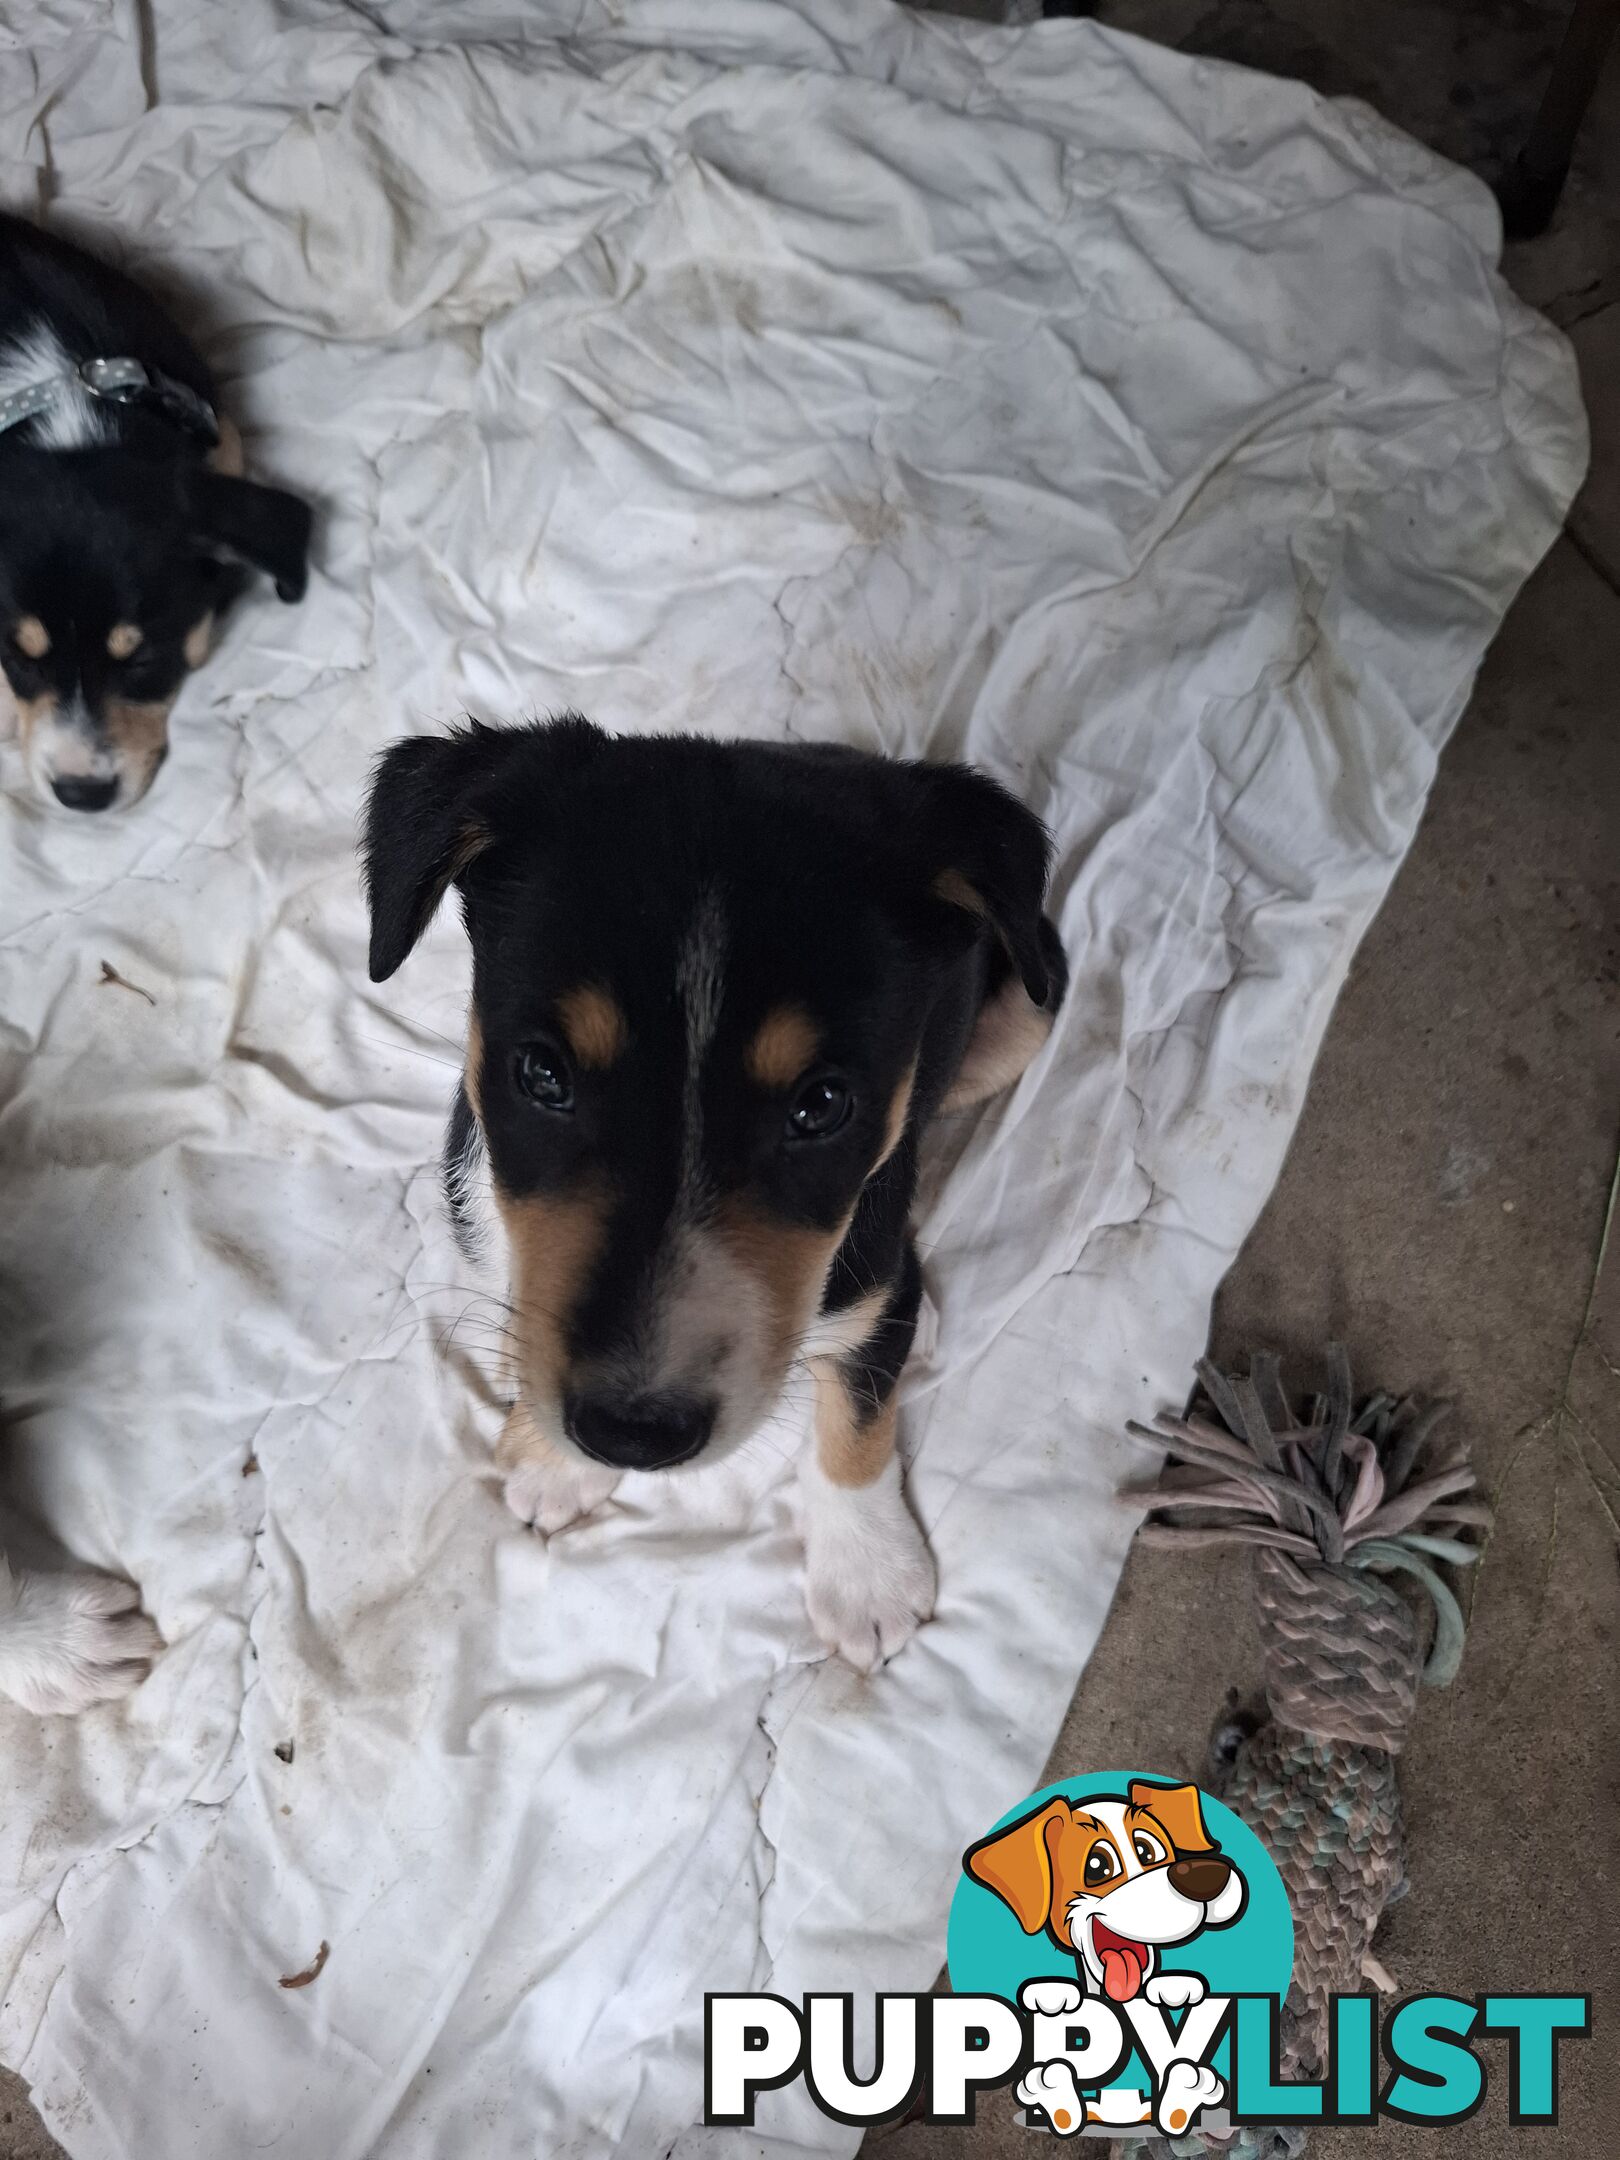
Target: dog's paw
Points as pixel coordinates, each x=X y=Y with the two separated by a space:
x=869 y=1576
x=551 y=1493
x=1175 y=1990
x=1186 y=2088
x=1051 y=2086
x=70 y=1640
x=867 y=1619
x=1051 y=1998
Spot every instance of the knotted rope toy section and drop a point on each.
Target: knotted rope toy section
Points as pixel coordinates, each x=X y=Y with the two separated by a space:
x=1350 y=1515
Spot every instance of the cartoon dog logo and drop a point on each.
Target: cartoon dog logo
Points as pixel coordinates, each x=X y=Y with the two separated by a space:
x=1114 y=1881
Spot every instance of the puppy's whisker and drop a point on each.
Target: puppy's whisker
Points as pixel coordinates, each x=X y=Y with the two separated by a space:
x=381 y=1042
x=420 y=1316
x=461 y=1290
x=464 y=1329
x=764 y=1441
x=459 y=1338
x=451 y=1042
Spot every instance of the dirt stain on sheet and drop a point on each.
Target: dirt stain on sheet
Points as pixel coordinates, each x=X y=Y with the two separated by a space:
x=870 y=518
x=255 y=1276
x=710 y=295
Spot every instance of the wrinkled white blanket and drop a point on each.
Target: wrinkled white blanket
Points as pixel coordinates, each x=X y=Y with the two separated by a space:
x=1155 y=434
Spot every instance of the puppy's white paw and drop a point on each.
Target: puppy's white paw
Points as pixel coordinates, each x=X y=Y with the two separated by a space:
x=1051 y=1998
x=867 y=1620
x=1051 y=2086
x=869 y=1576
x=557 y=1490
x=1187 y=2087
x=67 y=1641
x=1175 y=1990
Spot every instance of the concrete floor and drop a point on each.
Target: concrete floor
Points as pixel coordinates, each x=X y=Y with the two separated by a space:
x=1443 y=1205
x=1442 y=1208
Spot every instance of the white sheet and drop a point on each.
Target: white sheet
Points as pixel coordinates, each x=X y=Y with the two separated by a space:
x=1158 y=435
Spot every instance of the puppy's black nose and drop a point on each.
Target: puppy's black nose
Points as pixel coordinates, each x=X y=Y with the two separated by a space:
x=639 y=1432
x=75 y=792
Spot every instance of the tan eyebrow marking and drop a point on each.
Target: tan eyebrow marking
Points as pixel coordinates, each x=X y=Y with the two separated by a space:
x=953 y=887
x=593 y=1023
x=123 y=638
x=31 y=638
x=783 y=1045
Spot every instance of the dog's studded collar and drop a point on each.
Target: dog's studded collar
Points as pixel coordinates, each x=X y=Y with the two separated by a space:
x=116 y=382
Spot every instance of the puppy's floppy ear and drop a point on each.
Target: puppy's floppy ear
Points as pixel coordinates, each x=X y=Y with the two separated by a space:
x=1016 y=1863
x=423 y=831
x=1176 y=1809
x=438 y=802
x=245 y=522
x=989 y=858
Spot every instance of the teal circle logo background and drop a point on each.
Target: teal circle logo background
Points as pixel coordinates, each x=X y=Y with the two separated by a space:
x=988 y=1953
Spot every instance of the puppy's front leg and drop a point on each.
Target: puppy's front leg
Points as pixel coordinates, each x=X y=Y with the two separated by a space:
x=547 y=1487
x=869 y=1576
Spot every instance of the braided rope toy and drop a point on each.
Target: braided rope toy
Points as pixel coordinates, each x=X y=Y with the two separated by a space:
x=1334 y=1506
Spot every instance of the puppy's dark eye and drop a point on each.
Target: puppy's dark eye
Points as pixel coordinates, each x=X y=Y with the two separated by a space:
x=820 y=1109
x=1100 y=1866
x=541 y=1073
x=1148 y=1849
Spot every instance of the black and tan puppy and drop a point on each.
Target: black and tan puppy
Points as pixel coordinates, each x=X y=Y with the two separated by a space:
x=124 y=520
x=718 y=991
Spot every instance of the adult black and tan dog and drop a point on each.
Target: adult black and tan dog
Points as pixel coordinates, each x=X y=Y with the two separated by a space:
x=718 y=991
x=124 y=520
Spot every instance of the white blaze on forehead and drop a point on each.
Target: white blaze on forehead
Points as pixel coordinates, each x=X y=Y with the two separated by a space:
x=1111 y=1814
x=700 y=985
x=704 y=1328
